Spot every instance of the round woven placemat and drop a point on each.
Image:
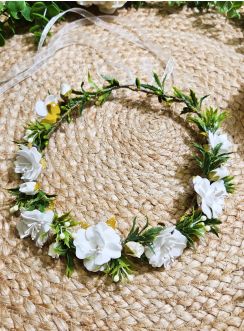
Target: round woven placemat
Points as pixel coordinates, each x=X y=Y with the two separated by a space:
x=128 y=158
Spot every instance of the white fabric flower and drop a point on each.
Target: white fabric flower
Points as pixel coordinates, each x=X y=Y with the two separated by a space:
x=210 y=196
x=107 y=7
x=221 y=172
x=97 y=245
x=41 y=107
x=65 y=89
x=217 y=138
x=28 y=163
x=29 y=188
x=35 y=224
x=134 y=249
x=52 y=252
x=168 y=245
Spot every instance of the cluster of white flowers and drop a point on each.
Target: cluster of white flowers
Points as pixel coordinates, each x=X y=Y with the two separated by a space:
x=98 y=244
x=211 y=195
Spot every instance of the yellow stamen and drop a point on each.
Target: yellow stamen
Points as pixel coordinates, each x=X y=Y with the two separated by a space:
x=51 y=205
x=84 y=225
x=37 y=187
x=112 y=222
x=43 y=163
x=53 y=113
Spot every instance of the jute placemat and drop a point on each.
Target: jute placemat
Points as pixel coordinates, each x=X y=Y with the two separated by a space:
x=128 y=158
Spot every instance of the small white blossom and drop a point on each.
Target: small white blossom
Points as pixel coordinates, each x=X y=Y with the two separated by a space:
x=62 y=235
x=35 y=224
x=65 y=89
x=107 y=7
x=28 y=163
x=217 y=138
x=168 y=245
x=41 y=107
x=210 y=196
x=27 y=138
x=97 y=245
x=29 y=188
x=52 y=252
x=116 y=278
x=134 y=249
x=14 y=209
x=207 y=228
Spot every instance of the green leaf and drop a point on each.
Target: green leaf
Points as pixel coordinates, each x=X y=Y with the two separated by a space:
x=2 y=40
x=53 y=10
x=2 y=6
x=157 y=80
x=70 y=263
x=145 y=235
x=35 y=28
x=138 y=83
x=26 y=13
x=91 y=82
x=15 y=7
x=40 y=18
x=112 y=81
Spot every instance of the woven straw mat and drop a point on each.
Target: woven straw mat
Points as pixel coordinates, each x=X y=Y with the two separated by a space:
x=128 y=158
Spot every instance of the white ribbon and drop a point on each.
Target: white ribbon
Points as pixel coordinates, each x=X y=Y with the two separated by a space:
x=62 y=38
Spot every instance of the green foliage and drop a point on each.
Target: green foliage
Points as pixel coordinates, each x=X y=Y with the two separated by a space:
x=208 y=120
x=22 y=16
x=144 y=236
x=39 y=133
x=230 y=9
x=68 y=252
x=60 y=227
x=193 y=104
x=65 y=247
x=40 y=200
x=119 y=269
x=229 y=185
x=193 y=227
x=210 y=159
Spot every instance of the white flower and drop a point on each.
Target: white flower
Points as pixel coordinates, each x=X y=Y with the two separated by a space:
x=168 y=245
x=28 y=163
x=210 y=196
x=35 y=224
x=217 y=138
x=29 y=188
x=134 y=249
x=41 y=107
x=65 y=89
x=107 y=7
x=221 y=172
x=52 y=252
x=97 y=245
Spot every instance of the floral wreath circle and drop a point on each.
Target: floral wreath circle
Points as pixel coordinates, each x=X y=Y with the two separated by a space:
x=100 y=246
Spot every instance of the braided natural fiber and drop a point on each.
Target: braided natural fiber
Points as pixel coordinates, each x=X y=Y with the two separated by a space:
x=127 y=158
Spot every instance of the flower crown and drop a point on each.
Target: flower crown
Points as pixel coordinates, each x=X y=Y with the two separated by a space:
x=100 y=246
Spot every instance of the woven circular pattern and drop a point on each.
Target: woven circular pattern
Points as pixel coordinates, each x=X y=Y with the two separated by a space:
x=127 y=158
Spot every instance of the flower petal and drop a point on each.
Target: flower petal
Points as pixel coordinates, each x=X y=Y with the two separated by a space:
x=51 y=99
x=41 y=109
